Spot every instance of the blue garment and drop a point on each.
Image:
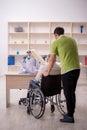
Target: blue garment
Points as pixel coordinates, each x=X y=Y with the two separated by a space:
x=29 y=65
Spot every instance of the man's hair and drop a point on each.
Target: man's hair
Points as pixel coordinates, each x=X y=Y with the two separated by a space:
x=59 y=31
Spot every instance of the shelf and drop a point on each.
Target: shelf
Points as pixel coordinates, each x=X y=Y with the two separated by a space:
x=79 y=34
x=40 y=35
x=43 y=53
x=13 y=68
x=82 y=44
x=18 y=44
x=66 y=34
x=17 y=22
x=39 y=27
x=12 y=54
x=39 y=44
x=18 y=33
x=66 y=25
x=83 y=54
x=14 y=65
x=76 y=27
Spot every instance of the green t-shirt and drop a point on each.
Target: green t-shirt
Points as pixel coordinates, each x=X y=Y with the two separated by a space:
x=66 y=48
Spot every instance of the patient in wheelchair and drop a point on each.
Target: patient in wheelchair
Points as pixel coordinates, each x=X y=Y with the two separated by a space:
x=56 y=70
x=50 y=85
x=43 y=89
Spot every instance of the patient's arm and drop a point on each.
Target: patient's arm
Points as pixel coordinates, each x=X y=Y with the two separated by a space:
x=42 y=69
x=37 y=56
x=51 y=62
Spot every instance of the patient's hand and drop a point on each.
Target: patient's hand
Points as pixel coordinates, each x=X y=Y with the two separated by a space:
x=45 y=73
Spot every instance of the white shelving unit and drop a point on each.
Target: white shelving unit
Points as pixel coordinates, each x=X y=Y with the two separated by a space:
x=79 y=32
x=18 y=42
x=39 y=36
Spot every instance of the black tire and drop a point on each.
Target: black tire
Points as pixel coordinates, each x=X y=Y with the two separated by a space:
x=19 y=103
x=37 y=103
x=52 y=108
x=28 y=110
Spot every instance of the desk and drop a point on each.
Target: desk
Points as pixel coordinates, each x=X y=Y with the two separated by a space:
x=16 y=81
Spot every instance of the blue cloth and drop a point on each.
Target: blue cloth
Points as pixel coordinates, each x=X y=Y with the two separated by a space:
x=29 y=66
x=24 y=72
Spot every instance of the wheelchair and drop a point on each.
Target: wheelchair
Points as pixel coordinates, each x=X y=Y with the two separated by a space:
x=39 y=94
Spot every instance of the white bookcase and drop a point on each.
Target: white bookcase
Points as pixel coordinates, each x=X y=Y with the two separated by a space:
x=39 y=35
x=81 y=37
x=18 y=42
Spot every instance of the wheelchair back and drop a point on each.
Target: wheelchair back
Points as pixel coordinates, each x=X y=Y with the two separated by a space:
x=50 y=85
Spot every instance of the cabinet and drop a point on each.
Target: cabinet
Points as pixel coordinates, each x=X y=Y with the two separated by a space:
x=18 y=42
x=39 y=36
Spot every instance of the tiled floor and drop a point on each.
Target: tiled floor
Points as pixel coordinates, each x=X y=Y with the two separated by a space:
x=16 y=118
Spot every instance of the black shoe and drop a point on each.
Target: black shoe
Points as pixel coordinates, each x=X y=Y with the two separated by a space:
x=66 y=114
x=67 y=119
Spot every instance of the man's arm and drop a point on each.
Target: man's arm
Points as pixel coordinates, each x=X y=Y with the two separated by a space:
x=51 y=62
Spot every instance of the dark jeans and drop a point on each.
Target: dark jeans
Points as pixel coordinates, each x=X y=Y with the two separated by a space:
x=69 y=80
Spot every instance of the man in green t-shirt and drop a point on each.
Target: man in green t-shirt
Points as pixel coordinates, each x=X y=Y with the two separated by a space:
x=66 y=49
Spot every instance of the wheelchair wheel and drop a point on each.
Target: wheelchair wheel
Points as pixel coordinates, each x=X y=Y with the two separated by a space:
x=37 y=103
x=61 y=102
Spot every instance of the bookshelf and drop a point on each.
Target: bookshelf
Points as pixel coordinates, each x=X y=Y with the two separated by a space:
x=39 y=36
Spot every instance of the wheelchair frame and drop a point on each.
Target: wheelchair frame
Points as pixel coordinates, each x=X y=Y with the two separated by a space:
x=36 y=102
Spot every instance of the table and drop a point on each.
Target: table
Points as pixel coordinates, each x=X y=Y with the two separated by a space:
x=16 y=81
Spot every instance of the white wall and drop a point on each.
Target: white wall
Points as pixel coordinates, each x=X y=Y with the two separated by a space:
x=36 y=10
